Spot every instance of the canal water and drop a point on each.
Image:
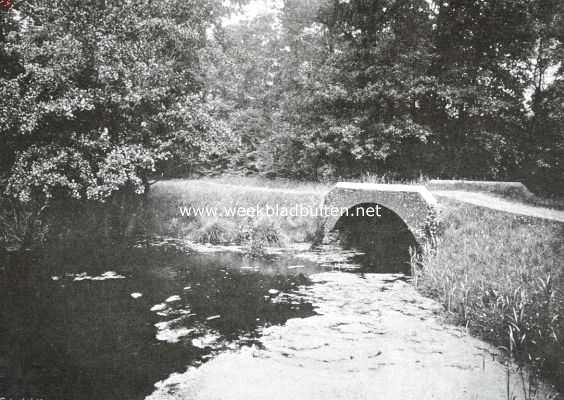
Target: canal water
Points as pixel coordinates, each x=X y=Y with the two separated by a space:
x=169 y=319
x=112 y=324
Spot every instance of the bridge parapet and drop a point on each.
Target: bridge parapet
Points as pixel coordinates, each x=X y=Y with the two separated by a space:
x=414 y=204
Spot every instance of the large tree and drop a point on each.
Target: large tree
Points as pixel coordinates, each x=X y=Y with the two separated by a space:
x=544 y=144
x=482 y=57
x=96 y=95
x=408 y=86
x=357 y=85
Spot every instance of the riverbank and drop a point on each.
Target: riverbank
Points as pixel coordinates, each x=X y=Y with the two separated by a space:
x=214 y=196
x=496 y=273
x=501 y=275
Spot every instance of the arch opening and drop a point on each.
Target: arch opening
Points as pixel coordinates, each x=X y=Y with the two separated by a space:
x=379 y=233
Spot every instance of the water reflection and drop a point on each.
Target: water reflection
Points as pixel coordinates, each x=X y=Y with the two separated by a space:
x=111 y=323
x=90 y=338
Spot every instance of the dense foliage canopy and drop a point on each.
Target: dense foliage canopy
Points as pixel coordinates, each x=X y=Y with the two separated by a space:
x=96 y=95
x=329 y=88
x=98 y=98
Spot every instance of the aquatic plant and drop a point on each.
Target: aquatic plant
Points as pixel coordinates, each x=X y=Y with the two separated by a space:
x=214 y=231
x=259 y=234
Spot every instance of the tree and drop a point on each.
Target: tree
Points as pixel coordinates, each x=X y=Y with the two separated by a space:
x=355 y=103
x=97 y=95
x=482 y=54
x=243 y=66
x=544 y=145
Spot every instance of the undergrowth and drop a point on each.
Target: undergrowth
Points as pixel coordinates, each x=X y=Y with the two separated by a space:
x=502 y=276
x=256 y=233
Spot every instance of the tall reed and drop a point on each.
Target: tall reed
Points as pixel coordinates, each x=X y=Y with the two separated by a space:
x=502 y=276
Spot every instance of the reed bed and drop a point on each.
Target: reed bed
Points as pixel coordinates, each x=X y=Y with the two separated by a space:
x=501 y=275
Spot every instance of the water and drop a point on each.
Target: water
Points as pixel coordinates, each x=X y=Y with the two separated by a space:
x=111 y=324
x=172 y=320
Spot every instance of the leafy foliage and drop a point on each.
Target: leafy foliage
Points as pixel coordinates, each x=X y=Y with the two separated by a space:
x=402 y=88
x=98 y=94
x=99 y=97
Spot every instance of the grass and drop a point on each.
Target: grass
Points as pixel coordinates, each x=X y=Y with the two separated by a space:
x=502 y=276
x=262 y=183
x=214 y=231
x=233 y=192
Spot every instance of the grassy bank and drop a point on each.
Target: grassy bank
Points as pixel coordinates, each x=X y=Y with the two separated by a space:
x=502 y=276
x=232 y=192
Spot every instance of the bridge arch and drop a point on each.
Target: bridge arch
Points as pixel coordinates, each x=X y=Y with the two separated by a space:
x=414 y=204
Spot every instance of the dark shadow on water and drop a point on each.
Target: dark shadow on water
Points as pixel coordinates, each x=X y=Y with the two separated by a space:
x=385 y=240
x=65 y=334
x=90 y=339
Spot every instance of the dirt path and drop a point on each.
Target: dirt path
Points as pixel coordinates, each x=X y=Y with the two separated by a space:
x=497 y=203
x=374 y=337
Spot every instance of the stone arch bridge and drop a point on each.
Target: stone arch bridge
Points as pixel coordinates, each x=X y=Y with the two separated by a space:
x=414 y=204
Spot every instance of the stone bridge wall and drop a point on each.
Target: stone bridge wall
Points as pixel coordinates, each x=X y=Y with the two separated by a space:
x=414 y=204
